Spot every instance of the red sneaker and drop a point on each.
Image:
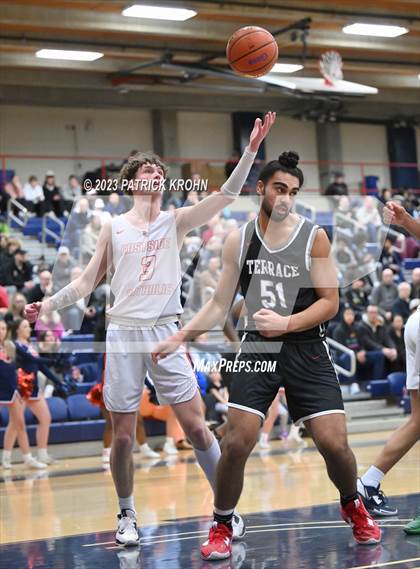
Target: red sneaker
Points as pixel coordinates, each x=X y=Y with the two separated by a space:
x=365 y=530
x=219 y=543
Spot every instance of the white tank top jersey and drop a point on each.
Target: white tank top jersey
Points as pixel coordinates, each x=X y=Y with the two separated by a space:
x=146 y=283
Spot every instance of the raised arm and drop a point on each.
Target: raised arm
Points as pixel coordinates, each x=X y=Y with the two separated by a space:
x=199 y=214
x=217 y=308
x=83 y=285
x=395 y=214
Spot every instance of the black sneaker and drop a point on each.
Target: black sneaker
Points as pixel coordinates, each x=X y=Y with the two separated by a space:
x=375 y=501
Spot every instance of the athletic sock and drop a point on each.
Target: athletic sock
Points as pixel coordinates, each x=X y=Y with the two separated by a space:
x=223 y=517
x=344 y=500
x=127 y=503
x=208 y=460
x=264 y=438
x=42 y=454
x=7 y=455
x=372 y=477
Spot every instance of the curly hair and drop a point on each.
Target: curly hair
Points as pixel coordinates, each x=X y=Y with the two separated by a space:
x=136 y=161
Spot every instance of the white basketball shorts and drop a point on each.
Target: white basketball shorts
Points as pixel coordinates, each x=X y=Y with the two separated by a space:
x=412 y=347
x=128 y=358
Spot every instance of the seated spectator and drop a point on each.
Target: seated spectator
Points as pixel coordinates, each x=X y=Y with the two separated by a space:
x=411 y=247
x=345 y=220
x=70 y=192
x=52 y=197
x=386 y=196
x=345 y=259
x=369 y=217
x=390 y=258
x=89 y=239
x=81 y=215
x=33 y=196
x=347 y=334
x=209 y=278
x=385 y=293
x=4 y=256
x=115 y=205
x=100 y=211
x=73 y=316
x=375 y=341
x=396 y=334
x=14 y=188
x=415 y=283
x=4 y=300
x=18 y=272
x=338 y=187
x=62 y=268
x=401 y=306
x=216 y=398
x=357 y=297
x=16 y=308
x=366 y=263
x=42 y=289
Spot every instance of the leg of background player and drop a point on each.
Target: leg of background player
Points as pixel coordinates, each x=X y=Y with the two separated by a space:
x=403 y=439
x=123 y=430
x=329 y=433
x=242 y=433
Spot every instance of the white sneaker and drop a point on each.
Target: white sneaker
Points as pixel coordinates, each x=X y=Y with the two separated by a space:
x=6 y=464
x=294 y=435
x=127 y=533
x=238 y=527
x=35 y=464
x=147 y=452
x=170 y=448
x=48 y=460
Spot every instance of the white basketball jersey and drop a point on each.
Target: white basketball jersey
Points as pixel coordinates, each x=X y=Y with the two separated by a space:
x=146 y=284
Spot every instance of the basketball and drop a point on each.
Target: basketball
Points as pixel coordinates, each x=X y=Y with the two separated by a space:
x=252 y=51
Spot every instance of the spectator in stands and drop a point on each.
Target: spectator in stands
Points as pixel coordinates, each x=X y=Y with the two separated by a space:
x=9 y=396
x=74 y=315
x=14 y=188
x=411 y=246
x=345 y=220
x=4 y=199
x=4 y=256
x=115 y=205
x=16 y=308
x=81 y=215
x=70 y=193
x=12 y=245
x=100 y=211
x=33 y=196
x=43 y=288
x=415 y=283
x=89 y=239
x=386 y=196
x=338 y=187
x=52 y=196
x=216 y=398
x=397 y=336
x=18 y=272
x=376 y=342
x=62 y=268
x=4 y=300
x=193 y=197
x=390 y=258
x=385 y=293
x=29 y=364
x=368 y=216
x=347 y=333
x=357 y=297
x=209 y=278
x=401 y=305
x=344 y=259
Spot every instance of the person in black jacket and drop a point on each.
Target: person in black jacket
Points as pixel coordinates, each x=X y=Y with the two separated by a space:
x=396 y=334
x=18 y=271
x=347 y=334
x=42 y=289
x=357 y=297
x=376 y=343
x=52 y=196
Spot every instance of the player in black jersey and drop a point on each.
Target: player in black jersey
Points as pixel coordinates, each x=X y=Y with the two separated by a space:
x=282 y=263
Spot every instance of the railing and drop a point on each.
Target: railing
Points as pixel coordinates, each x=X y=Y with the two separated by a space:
x=16 y=218
x=307 y=207
x=340 y=348
x=48 y=232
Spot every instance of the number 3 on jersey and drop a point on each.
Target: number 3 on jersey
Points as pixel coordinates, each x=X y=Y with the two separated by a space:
x=147 y=267
x=268 y=297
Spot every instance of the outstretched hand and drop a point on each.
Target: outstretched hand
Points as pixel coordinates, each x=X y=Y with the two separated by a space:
x=394 y=214
x=260 y=130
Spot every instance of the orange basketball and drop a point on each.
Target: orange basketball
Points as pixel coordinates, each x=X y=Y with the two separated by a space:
x=252 y=51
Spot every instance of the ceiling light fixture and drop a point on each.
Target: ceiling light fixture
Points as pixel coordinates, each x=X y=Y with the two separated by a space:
x=158 y=12
x=68 y=55
x=377 y=30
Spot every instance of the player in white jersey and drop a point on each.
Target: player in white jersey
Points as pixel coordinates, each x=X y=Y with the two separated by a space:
x=404 y=438
x=143 y=248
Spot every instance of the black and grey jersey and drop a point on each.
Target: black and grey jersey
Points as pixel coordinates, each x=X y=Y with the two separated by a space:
x=279 y=279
